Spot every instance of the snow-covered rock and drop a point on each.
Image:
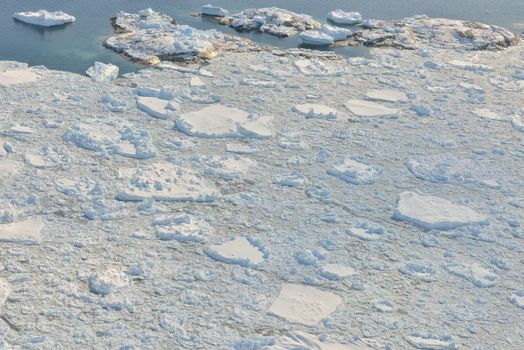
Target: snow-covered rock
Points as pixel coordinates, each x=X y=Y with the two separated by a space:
x=103 y=72
x=435 y=213
x=272 y=20
x=44 y=18
x=314 y=37
x=343 y=17
x=304 y=304
x=215 y=11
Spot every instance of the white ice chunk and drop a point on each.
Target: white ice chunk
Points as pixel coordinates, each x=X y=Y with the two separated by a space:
x=430 y=341
x=364 y=108
x=304 y=341
x=435 y=213
x=239 y=251
x=222 y=121
x=473 y=272
x=291 y=180
x=107 y=281
x=488 y=114
x=4 y=293
x=314 y=37
x=8 y=167
x=44 y=18
x=155 y=107
x=102 y=72
x=388 y=95
x=314 y=110
x=304 y=304
x=211 y=10
x=183 y=228
x=517 y=299
x=342 y=17
x=517 y=121
x=337 y=33
x=336 y=271
x=13 y=77
x=22 y=232
x=475 y=67
x=354 y=172
x=166 y=182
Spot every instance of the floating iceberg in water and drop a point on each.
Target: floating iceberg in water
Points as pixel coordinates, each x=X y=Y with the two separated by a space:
x=44 y=18
x=215 y=11
x=314 y=37
x=342 y=17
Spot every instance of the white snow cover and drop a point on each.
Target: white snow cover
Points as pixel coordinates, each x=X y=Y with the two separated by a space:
x=315 y=37
x=304 y=304
x=342 y=17
x=44 y=18
x=103 y=72
x=435 y=213
x=216 y=11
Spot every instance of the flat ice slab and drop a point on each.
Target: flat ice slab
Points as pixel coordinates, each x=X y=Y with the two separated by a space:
x=315 y=110
x=22 y=232
x=304 y=304
x=222 y=121
x=364 y=108
x=14 y=77
x=342 y=17
x=336 y=271
x=301 y=341
x=155 y=107
x=239 y=251
x=215 y=11
x=166 y=182
x=4 y=291
x=183 y=228
x=44 y=18
x=314 y=37
x=435 y=213
x=337 y=33
x=388 y=95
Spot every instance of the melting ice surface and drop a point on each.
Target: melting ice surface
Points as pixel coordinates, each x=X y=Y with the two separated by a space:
x=267 y=199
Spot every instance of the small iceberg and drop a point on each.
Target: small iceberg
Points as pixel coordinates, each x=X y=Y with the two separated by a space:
x=315 y=37
x=337 y=33
x=102 y=72
x=44 y=18
x=215 y=11
x=342 y=17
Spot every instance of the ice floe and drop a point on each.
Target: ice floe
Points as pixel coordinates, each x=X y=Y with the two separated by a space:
x=315 y=110
x=222 y=121
x=22 y=232
x=304 y=304
x=300 y=340
x=183 y=228
x=272 y=20
x=315 y=37
x=239 y=251
x=435 y=213
x=210 y=10
x=103 y=72
x=165 y=182
x=14 y=77
x=156 y=107
x=363 y=108
x=388 y=95
x=337 y=33
x=473 y=272
x=44 y=18
x=336 y=271
x=342 y=17
x=354 y=172
x=107 y=281
x=428 y=341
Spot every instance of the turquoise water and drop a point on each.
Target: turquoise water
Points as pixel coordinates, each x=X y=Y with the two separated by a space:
x=75 y=47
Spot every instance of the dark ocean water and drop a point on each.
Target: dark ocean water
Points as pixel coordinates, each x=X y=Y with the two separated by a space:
x=75 y=47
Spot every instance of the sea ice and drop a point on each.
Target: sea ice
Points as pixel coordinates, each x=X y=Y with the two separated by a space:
x=272 y=20
x=14 y=77
x=435 y=213
x=314 y=37
x=239 y=251
x=155 y=107
x=488 y=114
x=342 y=17
x=314 y=110
x=228 y=166
x=4 y=292
x=426 y=273
x=354 y=172
x=222 y=121
x=291 y=180
x=183 y=228
x=337 y=33
x=166 y=182
x=364 y=108
x=22 y=232
x=388 y=95
x=517 y=121
x=427 y=341
x=475 y=67
x=103 y=72
x=107 y=281
x=304 y=341
x=475 y=273
x=304 y=304
x=215 y=11
x=44 y=18
x=336 y=271
x=517 y=299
